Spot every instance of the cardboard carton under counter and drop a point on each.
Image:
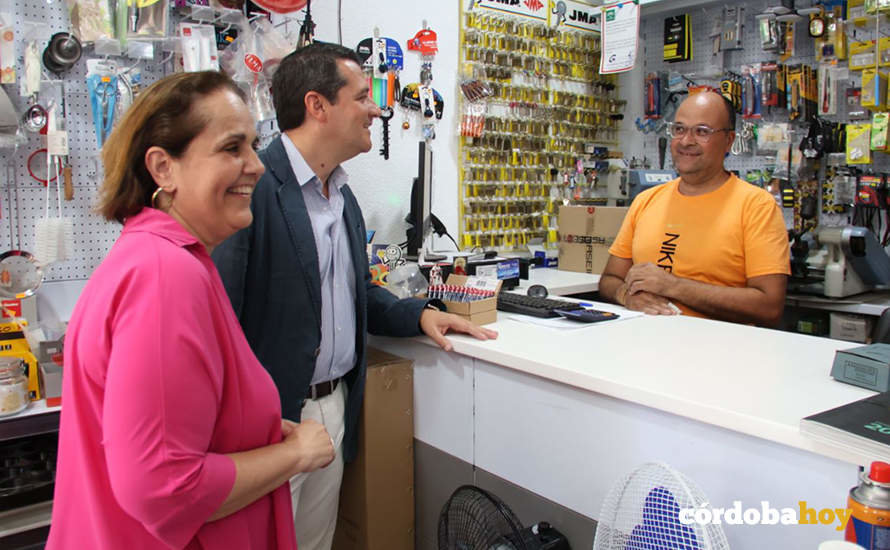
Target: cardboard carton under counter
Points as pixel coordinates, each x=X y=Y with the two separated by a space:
x=585 y=235
x=850 y=327
x=377 y=495
x=480 y=312
x=865 y=366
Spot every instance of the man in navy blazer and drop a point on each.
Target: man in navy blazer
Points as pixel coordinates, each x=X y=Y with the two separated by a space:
x=298 y=277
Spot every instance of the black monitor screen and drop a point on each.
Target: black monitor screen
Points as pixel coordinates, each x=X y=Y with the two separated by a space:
x=421 y=195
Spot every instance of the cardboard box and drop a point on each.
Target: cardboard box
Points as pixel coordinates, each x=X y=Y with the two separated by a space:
x=377 y=497
x=865 y=366
x=585 y=235
x=853 y=328
x=51 y=378
x=480 y=312
x=20 y=307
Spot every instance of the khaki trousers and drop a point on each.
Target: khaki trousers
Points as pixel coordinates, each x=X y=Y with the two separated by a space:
x=316 y=495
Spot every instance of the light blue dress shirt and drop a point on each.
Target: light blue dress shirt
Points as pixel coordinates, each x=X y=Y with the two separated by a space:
x=337 y=354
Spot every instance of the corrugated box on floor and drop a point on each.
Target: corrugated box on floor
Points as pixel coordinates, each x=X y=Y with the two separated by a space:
x=479 y=312
x=377 y=496
x=585 y=235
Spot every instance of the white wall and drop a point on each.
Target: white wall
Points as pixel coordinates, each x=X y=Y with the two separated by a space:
x=383 y=187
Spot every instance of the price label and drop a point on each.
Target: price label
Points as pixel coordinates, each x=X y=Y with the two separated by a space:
x=253 y=63
x=57 y=143
x=482 y=283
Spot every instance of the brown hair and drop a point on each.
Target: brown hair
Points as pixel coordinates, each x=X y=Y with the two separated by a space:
x=311 y=68
x=163 y=116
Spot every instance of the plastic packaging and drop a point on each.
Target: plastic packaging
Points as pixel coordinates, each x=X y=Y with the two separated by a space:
x=13 y=386
x=406 y=281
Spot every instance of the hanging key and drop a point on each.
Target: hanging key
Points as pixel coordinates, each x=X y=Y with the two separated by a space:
x=385 y=116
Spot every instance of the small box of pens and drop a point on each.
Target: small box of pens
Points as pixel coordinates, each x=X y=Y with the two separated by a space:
x=473 y=298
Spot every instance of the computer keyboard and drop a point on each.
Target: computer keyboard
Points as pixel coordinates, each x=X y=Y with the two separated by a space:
x=530 y=305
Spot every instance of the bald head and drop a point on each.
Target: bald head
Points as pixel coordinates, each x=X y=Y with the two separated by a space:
x=698 y=157
x=714 y=101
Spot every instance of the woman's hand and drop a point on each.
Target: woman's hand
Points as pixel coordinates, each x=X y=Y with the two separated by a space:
x=310 y=443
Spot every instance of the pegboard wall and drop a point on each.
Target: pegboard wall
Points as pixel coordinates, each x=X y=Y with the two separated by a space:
x=705 y=66
x=24 y=198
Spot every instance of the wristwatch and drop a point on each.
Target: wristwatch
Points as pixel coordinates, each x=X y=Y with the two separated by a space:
x=436 y=305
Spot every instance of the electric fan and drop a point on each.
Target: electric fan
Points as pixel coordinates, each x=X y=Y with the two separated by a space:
x=642 y=512
x=474 y=519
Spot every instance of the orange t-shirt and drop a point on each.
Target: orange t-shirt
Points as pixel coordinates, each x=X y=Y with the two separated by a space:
x=723 y=238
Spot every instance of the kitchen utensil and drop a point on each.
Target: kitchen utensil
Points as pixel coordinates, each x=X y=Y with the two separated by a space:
x=34 y=119
x=20 y=274
x=62 y=52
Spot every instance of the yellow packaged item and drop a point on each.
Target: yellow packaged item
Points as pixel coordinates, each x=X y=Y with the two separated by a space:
x=796 y=93
x=14 y=344
x=862 y=55
x=835 y=30
x=855 y=10
x=858 y=143
x=874 y=89
x=879 y=127
x=884 y=51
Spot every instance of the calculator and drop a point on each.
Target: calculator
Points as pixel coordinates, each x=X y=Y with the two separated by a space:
x=586 y=315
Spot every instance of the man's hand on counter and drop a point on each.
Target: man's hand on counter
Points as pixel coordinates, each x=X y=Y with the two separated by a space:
x=648 y=277
x=651 y=304
x=436 y=324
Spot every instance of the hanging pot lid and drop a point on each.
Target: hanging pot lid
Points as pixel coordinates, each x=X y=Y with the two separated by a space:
x=62 y=52
x=281 y=6
x=20 y=274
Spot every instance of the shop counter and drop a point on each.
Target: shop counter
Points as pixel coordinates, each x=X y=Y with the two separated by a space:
x=565 y=413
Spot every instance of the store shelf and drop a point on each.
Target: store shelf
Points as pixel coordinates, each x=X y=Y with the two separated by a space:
x=24 y=519
x=36 y=419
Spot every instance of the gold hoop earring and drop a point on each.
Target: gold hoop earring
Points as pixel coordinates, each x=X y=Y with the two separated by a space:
x=154 y=197
x=157 y=201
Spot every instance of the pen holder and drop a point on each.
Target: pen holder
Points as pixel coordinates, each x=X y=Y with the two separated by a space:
x=478 y=312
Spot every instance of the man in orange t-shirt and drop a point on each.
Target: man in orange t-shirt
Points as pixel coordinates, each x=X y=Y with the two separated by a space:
x=709 y=243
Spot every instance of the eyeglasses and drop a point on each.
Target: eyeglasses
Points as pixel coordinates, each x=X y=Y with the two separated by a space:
x=701 y=132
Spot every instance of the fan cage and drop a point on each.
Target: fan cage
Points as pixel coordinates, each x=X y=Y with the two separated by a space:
x=474 y=519
x=641 y=512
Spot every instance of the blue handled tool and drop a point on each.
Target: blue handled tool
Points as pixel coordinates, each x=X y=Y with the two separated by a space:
x=103 y=96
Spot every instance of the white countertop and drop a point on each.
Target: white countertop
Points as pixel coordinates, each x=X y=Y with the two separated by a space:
x=560 y=283
x=755 y=381
x=563 y=283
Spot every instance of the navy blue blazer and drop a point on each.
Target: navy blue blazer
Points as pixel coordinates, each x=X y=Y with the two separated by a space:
x=271 y=274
